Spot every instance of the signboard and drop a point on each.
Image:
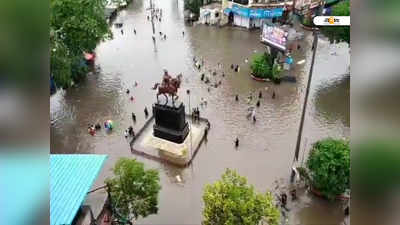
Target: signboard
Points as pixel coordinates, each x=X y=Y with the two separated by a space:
x=274 y=36
x=256 y=13
x=266 y=13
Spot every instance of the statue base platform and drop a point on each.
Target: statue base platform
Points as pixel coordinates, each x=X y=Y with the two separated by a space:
x=170 y=122
x=170 y=134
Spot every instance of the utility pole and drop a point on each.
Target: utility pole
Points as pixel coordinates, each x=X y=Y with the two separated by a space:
x=152 y=16
x=314 y=48
x=190 y=126
x=315 y=44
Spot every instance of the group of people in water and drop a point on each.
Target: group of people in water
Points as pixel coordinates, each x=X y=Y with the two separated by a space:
x=283 y=198
x=119 y=25
x=93 y=128
x=129 y=132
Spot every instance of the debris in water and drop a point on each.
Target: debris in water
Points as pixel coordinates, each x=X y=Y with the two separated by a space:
x=178 y=178
x=301 y=62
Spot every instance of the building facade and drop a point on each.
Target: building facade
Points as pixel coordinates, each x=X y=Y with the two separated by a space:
x=305 y=7
x=253 y=13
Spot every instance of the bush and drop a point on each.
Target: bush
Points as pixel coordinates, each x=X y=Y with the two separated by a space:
x=262 y=67
x=329 y=167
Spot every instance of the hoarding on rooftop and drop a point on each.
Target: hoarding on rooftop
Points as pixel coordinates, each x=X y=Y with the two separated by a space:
x=274 y=36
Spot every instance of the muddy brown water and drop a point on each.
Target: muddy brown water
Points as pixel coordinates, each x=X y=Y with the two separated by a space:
x=266 y=149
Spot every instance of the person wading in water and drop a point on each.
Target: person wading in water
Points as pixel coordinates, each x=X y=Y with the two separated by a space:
x=134 y=117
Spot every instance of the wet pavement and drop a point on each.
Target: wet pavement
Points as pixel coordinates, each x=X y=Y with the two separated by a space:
x=266 y=150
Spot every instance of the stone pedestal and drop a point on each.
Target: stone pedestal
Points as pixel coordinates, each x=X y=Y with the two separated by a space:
x=170 y=122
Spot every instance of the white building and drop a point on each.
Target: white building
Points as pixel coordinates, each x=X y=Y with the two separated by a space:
x=210 y=14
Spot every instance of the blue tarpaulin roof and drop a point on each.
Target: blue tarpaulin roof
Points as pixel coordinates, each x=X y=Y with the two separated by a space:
x=71 y=177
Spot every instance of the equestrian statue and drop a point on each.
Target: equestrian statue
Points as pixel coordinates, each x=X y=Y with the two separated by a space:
x=169 y=86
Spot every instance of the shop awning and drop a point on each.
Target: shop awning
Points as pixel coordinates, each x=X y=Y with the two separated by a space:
x=227 y=11
x=71 y=177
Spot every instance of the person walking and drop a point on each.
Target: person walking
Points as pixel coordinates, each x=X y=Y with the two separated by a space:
x=183 y=33
x=122 y=31
x=293 y=194
x=283 y=200
x=258 y=103
x=237 y=98
x=146 y=113
x=273 y=95
x=260 y=94
x=134 y=31
x=237 y=142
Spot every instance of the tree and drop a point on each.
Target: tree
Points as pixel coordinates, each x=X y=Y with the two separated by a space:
x=193 y=6
x=262 y=66
x=76 y=26
x=231 y=201
x=134 y=190
x=79 y=24
x=336 y=33
x=329 y=167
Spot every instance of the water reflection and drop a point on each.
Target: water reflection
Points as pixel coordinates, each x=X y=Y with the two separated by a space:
x=333 y=100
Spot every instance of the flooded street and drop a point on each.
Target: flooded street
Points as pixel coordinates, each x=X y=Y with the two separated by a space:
x=266 y=150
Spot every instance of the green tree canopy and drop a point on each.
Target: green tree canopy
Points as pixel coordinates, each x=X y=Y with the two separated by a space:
x=231 y=201
x=79 y=24
x=193 y=6
x=134 y=190
x=261 y=66
x=339 y=34
x=76 y=26
x=329 y=166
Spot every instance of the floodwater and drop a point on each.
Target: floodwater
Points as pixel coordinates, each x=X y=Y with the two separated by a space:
x=266 y=150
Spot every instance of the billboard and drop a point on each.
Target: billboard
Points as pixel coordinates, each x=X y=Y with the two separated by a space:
x=274 y=37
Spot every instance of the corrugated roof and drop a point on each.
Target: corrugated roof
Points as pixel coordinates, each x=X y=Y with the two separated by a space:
x=71 y=177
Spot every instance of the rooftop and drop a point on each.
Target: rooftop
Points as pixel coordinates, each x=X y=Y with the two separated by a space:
x=71 y=177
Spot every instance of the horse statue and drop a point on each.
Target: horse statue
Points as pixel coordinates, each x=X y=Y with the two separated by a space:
x=169 y=86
